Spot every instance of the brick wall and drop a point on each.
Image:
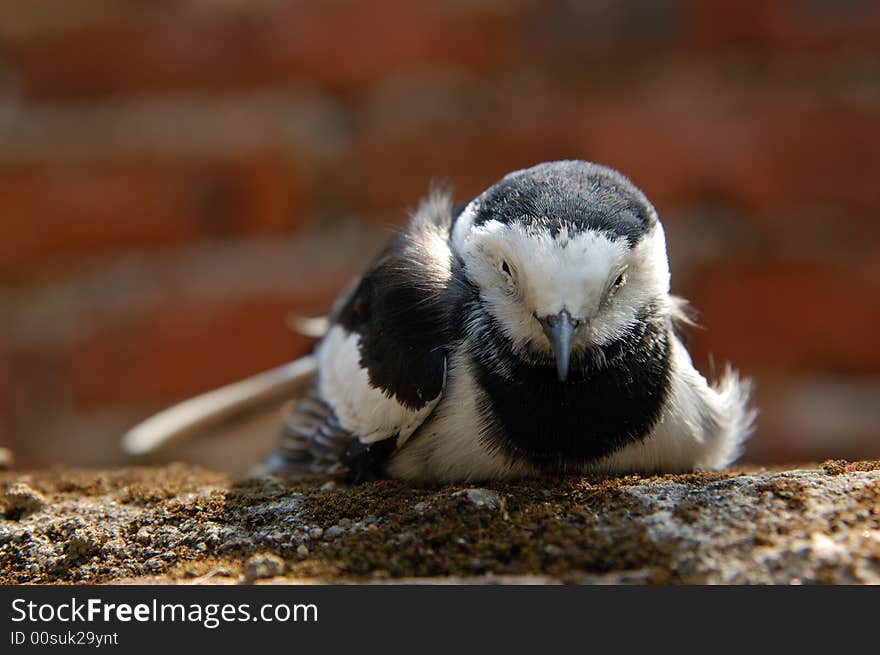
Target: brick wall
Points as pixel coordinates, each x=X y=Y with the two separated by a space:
x=177 y=178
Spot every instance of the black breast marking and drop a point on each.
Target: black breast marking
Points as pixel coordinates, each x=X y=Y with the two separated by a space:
x=558 y=426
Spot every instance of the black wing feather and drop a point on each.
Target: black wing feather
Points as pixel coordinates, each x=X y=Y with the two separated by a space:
x=397 y=308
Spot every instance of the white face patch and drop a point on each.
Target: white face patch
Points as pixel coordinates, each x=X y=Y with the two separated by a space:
x=576 y=272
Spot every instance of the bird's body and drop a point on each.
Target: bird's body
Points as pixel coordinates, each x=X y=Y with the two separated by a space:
x=528 y=331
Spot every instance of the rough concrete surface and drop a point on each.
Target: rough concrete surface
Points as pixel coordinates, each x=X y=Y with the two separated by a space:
x=818 y=524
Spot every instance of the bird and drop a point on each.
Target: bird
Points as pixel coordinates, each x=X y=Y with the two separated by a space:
x=529 y=331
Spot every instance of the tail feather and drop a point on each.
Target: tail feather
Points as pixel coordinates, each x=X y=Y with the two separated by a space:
x=208 y=412
x=735 y=417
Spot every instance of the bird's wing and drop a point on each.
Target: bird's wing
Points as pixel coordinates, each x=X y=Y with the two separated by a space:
x=382 y=363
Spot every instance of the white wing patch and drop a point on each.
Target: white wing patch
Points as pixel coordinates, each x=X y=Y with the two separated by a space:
x=361 y=408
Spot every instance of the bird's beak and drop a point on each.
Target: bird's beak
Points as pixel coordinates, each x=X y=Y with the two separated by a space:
x=560 y=330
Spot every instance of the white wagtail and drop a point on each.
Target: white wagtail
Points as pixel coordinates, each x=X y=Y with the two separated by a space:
x=530 y=330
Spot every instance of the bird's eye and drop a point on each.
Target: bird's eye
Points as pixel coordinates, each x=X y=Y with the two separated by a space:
x=505 y=269
x=618 y=282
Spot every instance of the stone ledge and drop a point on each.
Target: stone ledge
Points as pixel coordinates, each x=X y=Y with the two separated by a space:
x=179 y=524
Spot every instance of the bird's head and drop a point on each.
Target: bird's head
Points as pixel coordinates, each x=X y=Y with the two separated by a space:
x=566 y=256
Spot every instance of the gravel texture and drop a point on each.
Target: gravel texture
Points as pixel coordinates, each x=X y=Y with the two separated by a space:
x=818 y=524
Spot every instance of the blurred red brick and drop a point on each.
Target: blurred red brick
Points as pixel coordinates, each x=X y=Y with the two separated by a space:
x=791 y=316
x=180 y=349
x=764 y=159
x=762 y=114
x=347 y=45
x=785 y=24
x=5 y=382
x=392 y=171
x=57 y=212
x=342 y=45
